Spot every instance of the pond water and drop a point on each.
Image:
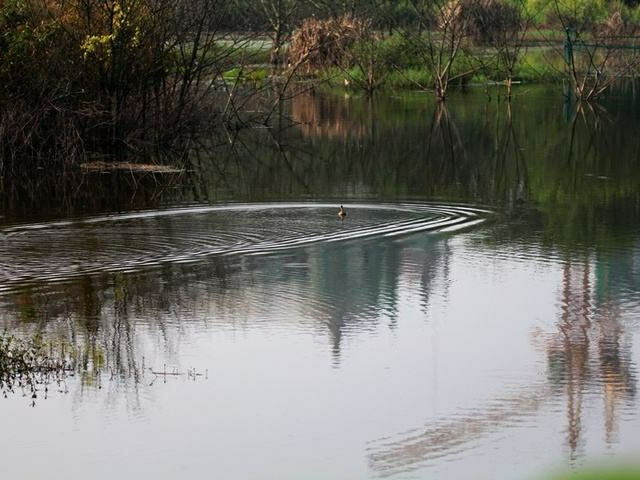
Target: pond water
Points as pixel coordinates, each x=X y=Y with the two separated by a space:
x=475 y=315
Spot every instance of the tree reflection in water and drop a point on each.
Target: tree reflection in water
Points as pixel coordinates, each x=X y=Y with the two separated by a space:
x=575 y=369
x=567 y=192
x=590 y=313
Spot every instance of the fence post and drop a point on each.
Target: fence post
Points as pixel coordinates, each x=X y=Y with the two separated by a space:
x=568 y=46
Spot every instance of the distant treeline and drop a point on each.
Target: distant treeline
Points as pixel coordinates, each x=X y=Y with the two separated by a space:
x=256 y=15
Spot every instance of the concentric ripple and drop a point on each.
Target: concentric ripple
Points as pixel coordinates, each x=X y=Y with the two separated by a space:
x=56 y=251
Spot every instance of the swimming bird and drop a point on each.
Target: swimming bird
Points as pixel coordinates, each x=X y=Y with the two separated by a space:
x=342 y=213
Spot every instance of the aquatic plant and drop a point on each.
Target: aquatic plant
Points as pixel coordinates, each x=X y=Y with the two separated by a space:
x=25 y=367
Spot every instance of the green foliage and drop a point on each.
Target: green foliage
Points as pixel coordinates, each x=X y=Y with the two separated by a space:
x=105 y=74
x=247 y=55
x=255 y=76
x=584 y=11
x=33 y=49
x=393 y=62
x=632 y=14
x=123 y=33
x=400 y=50
x=410 y=78
x=539 y=66
x=577 y=13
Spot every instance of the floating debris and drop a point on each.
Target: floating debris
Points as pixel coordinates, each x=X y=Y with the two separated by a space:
x=102 y=166
x=190 y=374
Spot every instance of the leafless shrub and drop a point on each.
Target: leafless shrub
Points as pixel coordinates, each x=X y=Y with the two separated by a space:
x=442 y=41
x=617 y=25
x=483 y=21
x=598 y=55
x=320 y=44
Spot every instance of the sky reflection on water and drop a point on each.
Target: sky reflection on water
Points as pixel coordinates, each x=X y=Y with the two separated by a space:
x=425 y=353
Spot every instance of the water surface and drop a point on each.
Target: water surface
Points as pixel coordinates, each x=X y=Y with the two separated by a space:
x=476 y=315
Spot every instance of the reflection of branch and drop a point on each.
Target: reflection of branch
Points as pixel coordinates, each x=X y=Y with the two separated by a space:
x=288 y=79
x=569 y=367
x=509 y=142
x=445 y=128
x=413 y=448
x=283 y=154
x=591 y=115
x=191 y=374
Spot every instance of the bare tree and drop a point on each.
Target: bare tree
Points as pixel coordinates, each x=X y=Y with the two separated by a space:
x=596 y=55
x=504 y=26
x=445 y=30
x=279 y=16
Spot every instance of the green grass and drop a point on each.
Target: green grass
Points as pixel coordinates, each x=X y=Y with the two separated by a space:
x=232 y=56
x=249 y=55
x=402 y=64
x=613 y=473
x=246 y=74
x=409 y=79
x=540 y=66
x=541 y=33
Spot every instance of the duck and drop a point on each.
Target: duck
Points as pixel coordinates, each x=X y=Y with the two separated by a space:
x=342 y=213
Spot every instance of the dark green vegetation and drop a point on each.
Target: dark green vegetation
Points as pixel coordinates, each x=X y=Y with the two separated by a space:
x=102 y=80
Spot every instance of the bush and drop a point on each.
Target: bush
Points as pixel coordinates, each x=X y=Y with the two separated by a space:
x=619 y=23
x=320 y=44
